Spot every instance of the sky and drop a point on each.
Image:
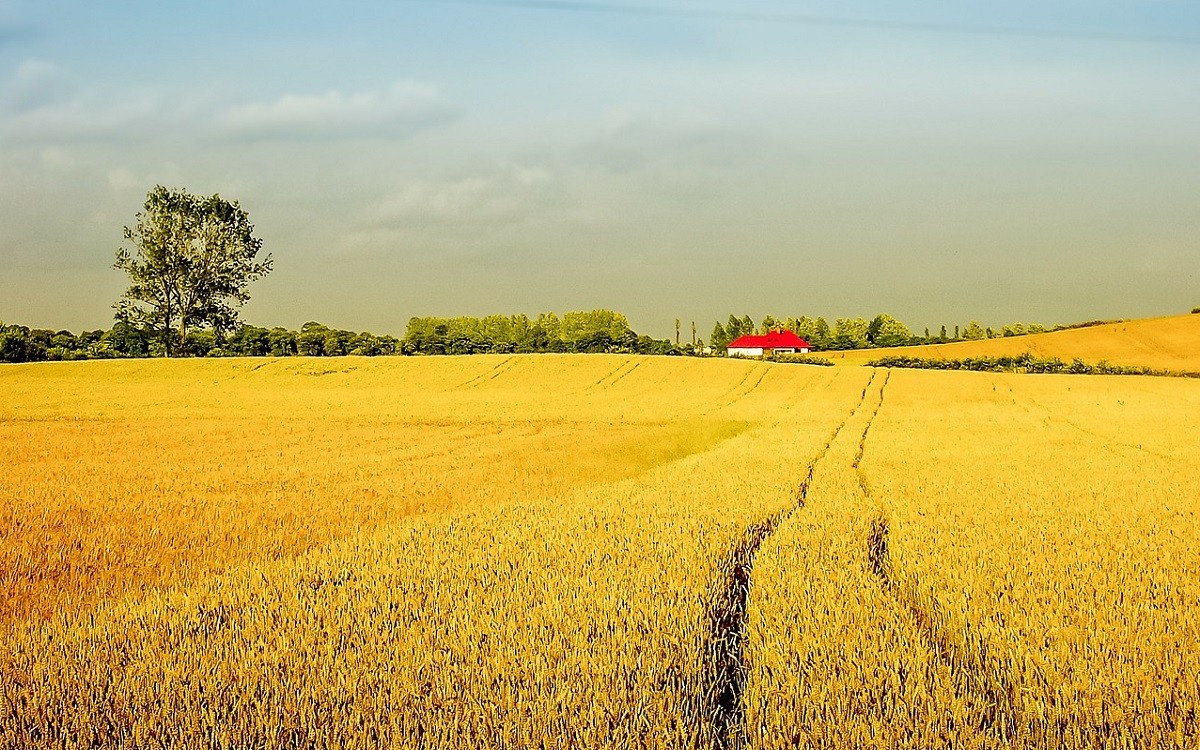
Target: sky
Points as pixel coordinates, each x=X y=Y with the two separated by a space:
x=938 y=161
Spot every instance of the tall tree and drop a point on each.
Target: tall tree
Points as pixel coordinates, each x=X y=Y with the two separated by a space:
x=747 y=326
x=719 y=339
x=974 y=332
x=821 y=333
x=579 y=326
x=733 y=328
x=884 y=330
x=850 y=333
x=190 y=259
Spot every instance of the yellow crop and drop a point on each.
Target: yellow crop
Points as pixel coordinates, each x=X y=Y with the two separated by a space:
x=989 y=561
x=594 y=551
x=1161 y=343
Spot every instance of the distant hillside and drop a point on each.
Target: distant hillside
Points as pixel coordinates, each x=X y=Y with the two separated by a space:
x=1170 y=343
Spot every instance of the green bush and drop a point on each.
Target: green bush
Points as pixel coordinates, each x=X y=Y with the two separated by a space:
x=1027 y=362
x=803 y=359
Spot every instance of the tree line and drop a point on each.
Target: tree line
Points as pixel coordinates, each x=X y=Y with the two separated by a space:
x=859 y=333
x=582 y=332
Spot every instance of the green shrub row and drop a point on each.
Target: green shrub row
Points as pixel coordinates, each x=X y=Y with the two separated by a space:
x=803 y=359
x=1026 y=362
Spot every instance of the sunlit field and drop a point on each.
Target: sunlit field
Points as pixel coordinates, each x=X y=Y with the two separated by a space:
x=1160 y=343
x=594 y=551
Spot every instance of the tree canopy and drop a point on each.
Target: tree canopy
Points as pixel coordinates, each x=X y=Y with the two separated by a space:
x=190 y=259
x=882 y=331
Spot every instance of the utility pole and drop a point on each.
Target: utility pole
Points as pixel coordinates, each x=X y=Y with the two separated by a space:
x=693 y=334
x=677 y=332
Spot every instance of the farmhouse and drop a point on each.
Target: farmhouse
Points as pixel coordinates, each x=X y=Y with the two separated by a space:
x=775 y=342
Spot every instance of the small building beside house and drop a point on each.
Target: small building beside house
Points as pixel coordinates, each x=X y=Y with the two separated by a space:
x=775 y=342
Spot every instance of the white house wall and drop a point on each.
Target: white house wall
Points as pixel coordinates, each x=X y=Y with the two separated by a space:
x=748 y=352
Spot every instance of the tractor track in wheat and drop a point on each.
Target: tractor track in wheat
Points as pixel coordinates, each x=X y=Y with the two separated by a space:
x=720 y=705
x=979 y=678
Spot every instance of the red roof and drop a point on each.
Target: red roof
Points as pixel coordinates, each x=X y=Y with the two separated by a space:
x=773 y=340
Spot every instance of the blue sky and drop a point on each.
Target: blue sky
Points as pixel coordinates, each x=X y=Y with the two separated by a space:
x=938 y=161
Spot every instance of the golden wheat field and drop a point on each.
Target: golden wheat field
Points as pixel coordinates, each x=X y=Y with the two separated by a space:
x=1171 y=343
x=593 y=551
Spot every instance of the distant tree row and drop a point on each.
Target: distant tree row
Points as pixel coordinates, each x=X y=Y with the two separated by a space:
x=23 y=344
x=595 y=331
x=859 y=333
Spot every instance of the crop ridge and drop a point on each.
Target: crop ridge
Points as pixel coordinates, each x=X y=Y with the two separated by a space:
x=486 y=375
x=611 y=373
x=720 y=701
x=1108 y=442
x=722 y=401
x=622 y=376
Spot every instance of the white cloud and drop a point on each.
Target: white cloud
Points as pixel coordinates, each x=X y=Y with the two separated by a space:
x=36 y=84
x=399 y=110
x=366 y=242
x=530 y=176
x=122 y=178
x=460 y=200
x=41 y=103
x=57 y=160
